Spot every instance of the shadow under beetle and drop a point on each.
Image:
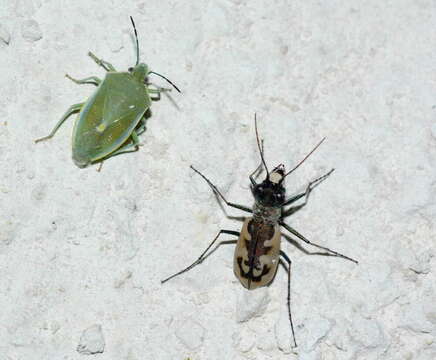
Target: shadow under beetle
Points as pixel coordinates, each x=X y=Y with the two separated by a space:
x=257 y=252
x=112 y=118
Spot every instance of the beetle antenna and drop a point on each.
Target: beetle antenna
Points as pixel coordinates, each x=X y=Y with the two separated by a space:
x=260 y=147
x=137 y=42
x=175 y=87
x=305 y=158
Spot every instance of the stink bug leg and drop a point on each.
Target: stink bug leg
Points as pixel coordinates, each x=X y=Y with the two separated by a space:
x=157 y=91
x=72 y=109
x=89 y=80
x=110 y=121
x=128 y=147
x=104 y=64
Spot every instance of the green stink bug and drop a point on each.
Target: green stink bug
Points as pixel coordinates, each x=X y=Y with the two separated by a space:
x=110 y=121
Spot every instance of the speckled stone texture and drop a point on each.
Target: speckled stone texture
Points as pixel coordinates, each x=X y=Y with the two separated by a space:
x=80 y=248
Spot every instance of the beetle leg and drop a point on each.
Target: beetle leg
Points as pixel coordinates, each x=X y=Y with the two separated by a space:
x=202 y=256
x=104 y=64
x=89 y=80
x=297 y=234
x=284 y=256
x=218 y=193
x=259 y=167
x=71 y=110
x=304 y=194
x=251 y=177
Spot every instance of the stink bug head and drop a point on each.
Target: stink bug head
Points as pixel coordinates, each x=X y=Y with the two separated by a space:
x=271 y=192
x=140 y=72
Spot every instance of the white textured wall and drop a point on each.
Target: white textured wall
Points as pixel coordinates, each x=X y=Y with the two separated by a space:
x=82 y=250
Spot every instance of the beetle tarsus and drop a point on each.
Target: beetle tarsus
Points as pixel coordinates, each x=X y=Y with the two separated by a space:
x=301 y=237
x=202 y=256
x=284 y=256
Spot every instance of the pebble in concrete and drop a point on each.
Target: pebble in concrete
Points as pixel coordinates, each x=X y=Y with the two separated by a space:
x=91 y=341
x=251 y=304
x=191 y=334
x=31 y=31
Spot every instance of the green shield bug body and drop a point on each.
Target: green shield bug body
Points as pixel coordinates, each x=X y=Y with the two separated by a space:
x=110 y=121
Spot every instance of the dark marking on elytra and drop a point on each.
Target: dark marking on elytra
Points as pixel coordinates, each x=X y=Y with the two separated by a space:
x=256 y=263
x=260 y=233
x=249 y=275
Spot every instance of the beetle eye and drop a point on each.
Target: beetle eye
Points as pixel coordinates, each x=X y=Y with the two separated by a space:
x=130 y=69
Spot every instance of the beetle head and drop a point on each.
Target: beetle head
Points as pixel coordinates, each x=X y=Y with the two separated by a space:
x=271 y=191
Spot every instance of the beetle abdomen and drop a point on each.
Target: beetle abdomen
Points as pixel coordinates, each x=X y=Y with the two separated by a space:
x=108 y=118
x=257 y=253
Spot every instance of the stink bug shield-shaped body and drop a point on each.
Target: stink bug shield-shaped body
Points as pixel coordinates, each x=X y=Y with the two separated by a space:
x=109 y=118
x=257 y=252
x=110 y=121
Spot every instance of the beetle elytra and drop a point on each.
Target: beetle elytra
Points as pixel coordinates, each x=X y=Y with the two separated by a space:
x=257 y=253
x=113 y=117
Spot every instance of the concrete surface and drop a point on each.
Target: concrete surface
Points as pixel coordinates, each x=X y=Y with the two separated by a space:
x=81 y=249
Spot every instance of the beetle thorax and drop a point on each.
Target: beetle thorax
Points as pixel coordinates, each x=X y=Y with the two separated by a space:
x=266 y=214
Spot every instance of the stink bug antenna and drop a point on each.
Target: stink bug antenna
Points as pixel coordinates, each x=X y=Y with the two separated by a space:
x=137 y=42
x=163 y=77
x=305 y=158
x=260 y=147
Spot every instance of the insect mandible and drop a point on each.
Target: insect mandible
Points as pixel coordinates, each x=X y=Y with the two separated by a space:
x=113 y=117
x=257 y=252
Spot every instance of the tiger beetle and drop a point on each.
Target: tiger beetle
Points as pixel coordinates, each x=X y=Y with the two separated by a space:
x=257 y=252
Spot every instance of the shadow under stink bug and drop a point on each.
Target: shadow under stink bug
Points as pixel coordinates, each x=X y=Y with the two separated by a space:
x=258 y=252
x=112 y=118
